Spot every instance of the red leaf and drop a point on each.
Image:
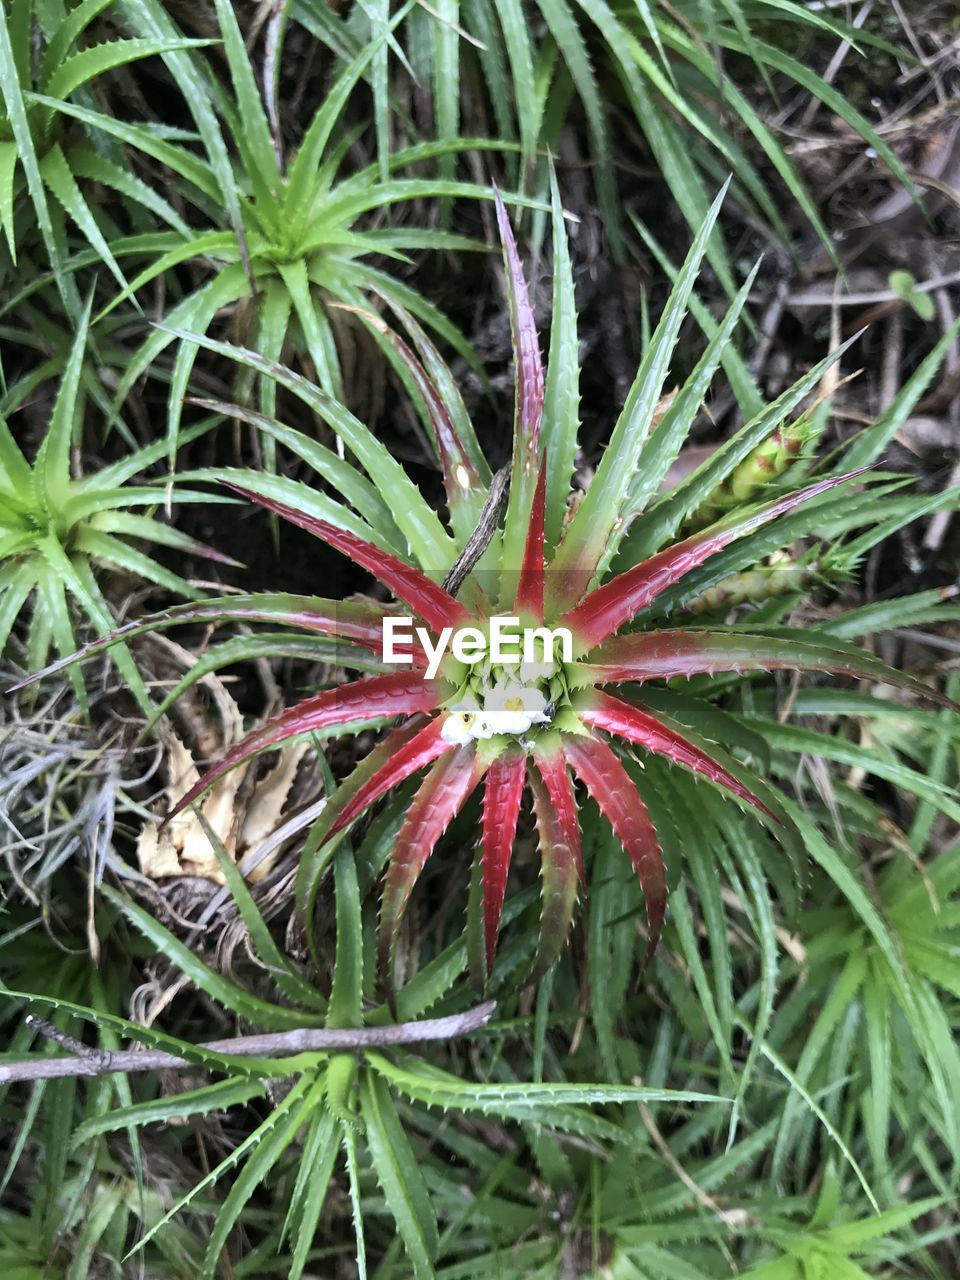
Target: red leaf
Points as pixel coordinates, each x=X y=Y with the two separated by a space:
x=559 y=857
x=660 y=655
x=313 y=859
x=526 y=344
x=605 y=712
x=619 y=802
x=439 y=799
x=437 y=608
x=379 y=697
x=501 y=808
x=607 y=608
x=405 y=760
x=347 y=620
x=553 y=770
x=530 y=586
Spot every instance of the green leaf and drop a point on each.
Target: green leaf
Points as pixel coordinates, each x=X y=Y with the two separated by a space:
x=219 y=1096
x=877 y=1102
x=315 y=325
x=793 y=738
x=904 y=285
x=433 y=1087
x=868 y=445
x=356 y=1200
x=398 y=1173
x=12 y=92
x=254 y=134
x=111 y=551
x=378 y=12
x=516 y=38
x=740 y=106
x=67 y=33
x=53 y=462
x=661 y=522
x=8 y=168
x=661 y=449
x=177 y=158
x=854 y=1235
x=572 y=45
x=272 y=1138
x=583 y=544
x=260 y=1012
x=310 y=1189
x=346 y=996
x=776 y=1061
x=429 y=542
x=832 y=99
x=561 y=403
x=150 y=16
x=354 y=487
x=90 y=63
x=57 y=175
x=86 y=163
x=446 y=83
x=303 y=171
x=291 y=983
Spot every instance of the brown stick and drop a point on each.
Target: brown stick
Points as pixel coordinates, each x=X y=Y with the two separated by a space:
x=100 y=1062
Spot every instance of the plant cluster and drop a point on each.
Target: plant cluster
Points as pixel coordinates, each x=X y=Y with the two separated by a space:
x=714 y=914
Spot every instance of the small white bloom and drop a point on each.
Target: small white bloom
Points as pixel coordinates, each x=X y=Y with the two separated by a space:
x=460 y=724
x=510 y=707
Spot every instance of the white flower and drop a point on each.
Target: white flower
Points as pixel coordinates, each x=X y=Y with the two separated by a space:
x=508 y=707
x=459 y=726
x=511 y=707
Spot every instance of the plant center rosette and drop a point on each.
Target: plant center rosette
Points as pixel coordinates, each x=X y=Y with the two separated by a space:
x=545 y=723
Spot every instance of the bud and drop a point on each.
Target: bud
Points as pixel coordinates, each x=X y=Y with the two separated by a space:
x=776 y=576
x=745 y=484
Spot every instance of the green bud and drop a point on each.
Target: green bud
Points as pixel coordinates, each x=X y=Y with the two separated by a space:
x=746 y=482
x=777 y=576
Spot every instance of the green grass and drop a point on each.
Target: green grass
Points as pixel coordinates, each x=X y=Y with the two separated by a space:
x=220 y=246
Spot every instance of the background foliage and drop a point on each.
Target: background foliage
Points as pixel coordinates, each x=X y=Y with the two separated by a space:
x=254 y=238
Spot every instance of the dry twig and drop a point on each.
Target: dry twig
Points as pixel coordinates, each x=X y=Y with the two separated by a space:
x=101 y=1062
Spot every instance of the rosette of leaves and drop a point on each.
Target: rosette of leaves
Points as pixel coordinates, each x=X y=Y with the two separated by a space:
x=374 y=1109
x=58 y=528
x=297 y=246
x=674 y=64
x=43 y=56
x=610 y=591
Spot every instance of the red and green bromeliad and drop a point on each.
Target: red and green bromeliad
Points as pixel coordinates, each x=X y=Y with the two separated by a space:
x=540 y=727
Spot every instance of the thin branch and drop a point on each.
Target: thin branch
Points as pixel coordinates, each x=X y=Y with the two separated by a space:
x=813 y=298
x=482 y=535
x=100 y=1062
x=70 y=1043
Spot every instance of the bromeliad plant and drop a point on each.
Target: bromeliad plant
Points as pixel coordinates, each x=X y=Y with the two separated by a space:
x=44 y=63
x=674 y=63
x=290 y=241
x=543 y=725
x=58 y=528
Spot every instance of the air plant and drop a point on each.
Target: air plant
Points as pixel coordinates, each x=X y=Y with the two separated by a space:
x=43 y=56
x=677 y=86
x=539 y=726
x=58 y=528
x=287 y=235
